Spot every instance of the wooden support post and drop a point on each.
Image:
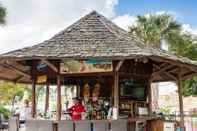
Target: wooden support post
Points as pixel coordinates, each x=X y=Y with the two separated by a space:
x=179 y=84
x=116 y=90
x=34 y=89
x=78 y=90
x=150 y=96
x=116 y=68
x=47 y=97
x=59 y=97
x=119 y=65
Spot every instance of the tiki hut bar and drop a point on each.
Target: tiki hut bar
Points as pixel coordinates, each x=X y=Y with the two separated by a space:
x=108 y=66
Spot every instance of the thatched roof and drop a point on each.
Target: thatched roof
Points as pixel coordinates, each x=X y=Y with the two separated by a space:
x=94 y=36
x=91 y=36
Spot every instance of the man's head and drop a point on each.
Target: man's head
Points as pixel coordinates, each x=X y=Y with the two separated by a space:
x=76 y=100
x=26 y=102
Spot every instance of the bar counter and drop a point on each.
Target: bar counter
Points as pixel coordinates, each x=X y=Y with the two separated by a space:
x=87 y=125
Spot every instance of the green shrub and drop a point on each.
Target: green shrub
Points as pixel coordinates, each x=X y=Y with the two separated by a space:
x=165 y=110
x=4 y=111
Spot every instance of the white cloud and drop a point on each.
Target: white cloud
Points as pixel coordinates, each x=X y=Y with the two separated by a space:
x=188 y=28
x=124 y=21
x=173 y=13
x=30 y=22
x=127 y=20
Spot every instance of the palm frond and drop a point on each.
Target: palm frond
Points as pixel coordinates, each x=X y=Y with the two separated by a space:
x=3 y=13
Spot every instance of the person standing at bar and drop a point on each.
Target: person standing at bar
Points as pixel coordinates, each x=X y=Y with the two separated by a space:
x=25 y=112
x=76 y=110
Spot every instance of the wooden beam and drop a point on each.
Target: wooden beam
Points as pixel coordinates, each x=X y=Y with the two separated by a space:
x=179 y=64
x=179 y=84
x=49 y=64
x=18 y=79
x=19 y=71
x=150 y=96
x=134 y=74
x=116 y=86
x=59 y=97
x=116 y=91
x=170 y=75
x=87 y=74
x=161 y=71
x=160 y=68
x=6 y=79
x=59 y=105
x=2 y=61
x=34 y=89
x=188 y=75
x=119 y=65
x=78 y=90
x=173 y=70
x=16 y=64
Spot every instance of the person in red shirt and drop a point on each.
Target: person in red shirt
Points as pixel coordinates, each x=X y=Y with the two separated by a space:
x=76 y=110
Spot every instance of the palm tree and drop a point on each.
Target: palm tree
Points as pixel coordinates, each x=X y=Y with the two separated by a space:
x=154 y=28
x=2 y=15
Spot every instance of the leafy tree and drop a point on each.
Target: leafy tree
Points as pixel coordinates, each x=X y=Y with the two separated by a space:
x=190 y=87
x=40 y=91
x=4 y=111
x=186 y=46
x=165 y=110
x=2 y=14
x=10 y=91
x=153 y=28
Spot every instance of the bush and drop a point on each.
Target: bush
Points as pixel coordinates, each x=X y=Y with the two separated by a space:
x=194 y=112
x=4 y=111
x=165 y=110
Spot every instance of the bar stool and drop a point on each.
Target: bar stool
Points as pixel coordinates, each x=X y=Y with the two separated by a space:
x=66 y=125
x=13 y=124
x=31 y=125
x=119 y=125
x=82 y=125
x=100 y=125
x=45 y=125
x=39 y=125
x=3 y=126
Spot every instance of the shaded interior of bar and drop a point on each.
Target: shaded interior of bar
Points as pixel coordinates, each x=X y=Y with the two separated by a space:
x=111 y=71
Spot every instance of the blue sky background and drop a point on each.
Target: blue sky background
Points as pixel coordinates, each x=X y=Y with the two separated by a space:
x=30 y=22
x=185 y=10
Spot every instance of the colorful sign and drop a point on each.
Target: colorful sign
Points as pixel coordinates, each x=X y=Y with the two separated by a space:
x=85 y=66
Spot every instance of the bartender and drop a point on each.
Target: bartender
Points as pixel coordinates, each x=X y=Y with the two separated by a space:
x=76 y=110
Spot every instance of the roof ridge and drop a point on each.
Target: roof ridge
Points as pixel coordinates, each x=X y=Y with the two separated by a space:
x=121 y=31
x=103 y=20
x=73 y=25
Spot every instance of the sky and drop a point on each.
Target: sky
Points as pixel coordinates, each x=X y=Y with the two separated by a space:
x=30 y=22
x=185 y=10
